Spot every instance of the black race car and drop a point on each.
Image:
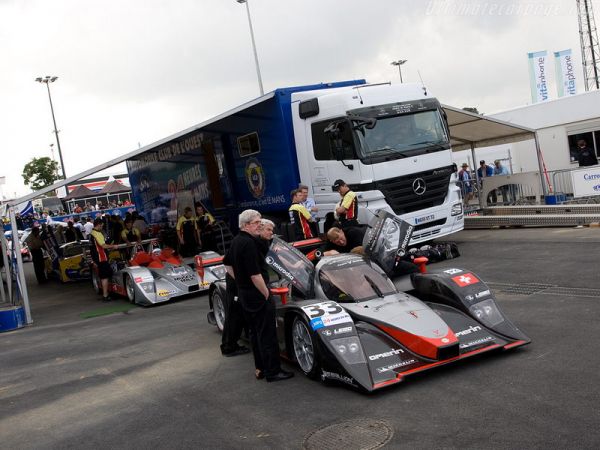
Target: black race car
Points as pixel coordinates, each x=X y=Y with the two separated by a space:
x=343 y=319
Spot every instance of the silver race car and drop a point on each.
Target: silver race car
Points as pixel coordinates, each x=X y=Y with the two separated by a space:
x=147 y=275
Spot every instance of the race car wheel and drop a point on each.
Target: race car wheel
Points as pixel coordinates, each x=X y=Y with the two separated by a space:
x=218 y=305
x=305 y=351
x=130 y=288
x=96 y=282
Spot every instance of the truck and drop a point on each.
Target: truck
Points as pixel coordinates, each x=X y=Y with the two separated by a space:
x=390 y=143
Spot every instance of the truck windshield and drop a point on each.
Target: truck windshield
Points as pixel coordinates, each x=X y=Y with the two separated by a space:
x=400 y=136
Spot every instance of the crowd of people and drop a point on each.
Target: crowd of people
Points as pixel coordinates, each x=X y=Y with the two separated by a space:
x=468 y=182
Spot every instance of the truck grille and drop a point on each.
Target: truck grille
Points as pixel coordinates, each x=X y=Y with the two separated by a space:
x=401 y=197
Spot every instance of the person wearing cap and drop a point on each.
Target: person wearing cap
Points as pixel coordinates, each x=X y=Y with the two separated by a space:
x=100 y=256
x=464 y=177
x=300 y=217
x=586 y=156
x=346 y=211
x=485 y=171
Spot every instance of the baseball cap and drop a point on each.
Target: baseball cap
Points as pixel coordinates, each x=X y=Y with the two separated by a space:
x=497 y=161
x=337 y=184
x=482 y=162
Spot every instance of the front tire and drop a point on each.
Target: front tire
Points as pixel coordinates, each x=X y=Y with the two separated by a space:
x=130 y=289
x=218 y=305
x=305 y=350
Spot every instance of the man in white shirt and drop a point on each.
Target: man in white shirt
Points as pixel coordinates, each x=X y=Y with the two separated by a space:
x=88 y=227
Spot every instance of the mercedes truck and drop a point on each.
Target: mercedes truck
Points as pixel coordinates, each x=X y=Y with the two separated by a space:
x=389 y=142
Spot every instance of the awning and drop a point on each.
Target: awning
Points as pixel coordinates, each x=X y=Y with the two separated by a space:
x=469 y=130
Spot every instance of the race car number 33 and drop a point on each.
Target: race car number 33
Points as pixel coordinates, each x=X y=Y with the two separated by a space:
x=326 y=314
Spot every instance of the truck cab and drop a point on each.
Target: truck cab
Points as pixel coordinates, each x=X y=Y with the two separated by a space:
x=389 y=143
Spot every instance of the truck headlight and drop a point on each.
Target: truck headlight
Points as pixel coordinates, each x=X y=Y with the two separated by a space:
x=456 y=209
x=349 y=349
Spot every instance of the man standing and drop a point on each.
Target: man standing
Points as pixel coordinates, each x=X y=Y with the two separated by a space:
x=187 y=232
x=485 y=171
x=307 y=202
x=87 y=228
x=347 y=209
x=586 y=156
x=300 y=217
x=251 y=276
x=464 y=177
x=100 y=256
x=507 y=191
x=36 y=244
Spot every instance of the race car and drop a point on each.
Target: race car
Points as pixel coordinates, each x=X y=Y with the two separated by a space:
x=68 y=263
x=344 y=320
x=147 y=275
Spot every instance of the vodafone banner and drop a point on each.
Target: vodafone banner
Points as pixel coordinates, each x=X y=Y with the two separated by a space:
x=565 y=73
x=537 y=76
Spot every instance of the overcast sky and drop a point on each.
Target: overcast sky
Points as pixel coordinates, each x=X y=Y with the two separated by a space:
x=135 y=71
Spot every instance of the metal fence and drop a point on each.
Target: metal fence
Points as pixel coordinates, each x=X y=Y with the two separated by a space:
x=501 y=190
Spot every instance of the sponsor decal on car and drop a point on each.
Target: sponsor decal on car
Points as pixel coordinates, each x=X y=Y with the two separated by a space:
x=138 y=279
x=397 y=365
x=471 y=329
x=164 y=293
x=392 y=352
x=465 y=280
x=316 y=323
x=452 y=271
x=326 y=332
x=204 y=283
x=326 y=314
x=482 y=293
x=336 y=376
x=342 y=330
x=476 y=342
x=469 y=298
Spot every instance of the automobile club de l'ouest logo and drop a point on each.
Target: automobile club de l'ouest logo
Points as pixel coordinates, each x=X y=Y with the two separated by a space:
x=255 y=177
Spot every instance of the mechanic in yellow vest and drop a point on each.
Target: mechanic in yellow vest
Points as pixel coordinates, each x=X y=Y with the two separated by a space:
x=347 y=209
x=304 y=226
x=187 y=233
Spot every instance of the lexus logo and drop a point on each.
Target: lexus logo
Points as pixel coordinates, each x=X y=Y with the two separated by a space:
x=419 y=186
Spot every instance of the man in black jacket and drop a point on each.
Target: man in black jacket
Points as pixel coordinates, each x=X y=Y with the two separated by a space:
x=250 y=272
x=586 y=156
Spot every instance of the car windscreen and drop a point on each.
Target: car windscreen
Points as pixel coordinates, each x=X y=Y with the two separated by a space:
x=354 y=280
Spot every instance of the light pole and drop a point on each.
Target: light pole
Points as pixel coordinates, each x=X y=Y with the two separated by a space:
x=260 y=85
x=47 y=80
x=399 y=64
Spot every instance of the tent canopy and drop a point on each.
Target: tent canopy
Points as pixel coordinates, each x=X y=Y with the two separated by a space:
x=80 y=192
x=113 y=187
x=469 y=130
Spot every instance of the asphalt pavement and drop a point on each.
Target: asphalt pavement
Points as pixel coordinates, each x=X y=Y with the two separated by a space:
x=154 y=377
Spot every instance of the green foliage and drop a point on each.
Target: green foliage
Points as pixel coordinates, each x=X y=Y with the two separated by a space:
x=40 y=172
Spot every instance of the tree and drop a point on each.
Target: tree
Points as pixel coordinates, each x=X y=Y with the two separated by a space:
x=40 y=172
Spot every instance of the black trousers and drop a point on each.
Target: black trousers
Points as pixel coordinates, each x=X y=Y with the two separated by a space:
x=37 y=257
x=234 y=319
x=263 y=333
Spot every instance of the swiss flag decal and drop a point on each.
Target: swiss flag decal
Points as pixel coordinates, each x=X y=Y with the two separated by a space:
x=465 y=279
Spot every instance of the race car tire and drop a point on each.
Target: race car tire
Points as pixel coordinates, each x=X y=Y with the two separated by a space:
x=218 y=304
x=130 y=289
x=305 y=350
x=96 y=282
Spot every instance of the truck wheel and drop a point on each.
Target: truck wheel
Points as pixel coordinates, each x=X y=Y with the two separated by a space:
x=130 y=289
x=305 y=350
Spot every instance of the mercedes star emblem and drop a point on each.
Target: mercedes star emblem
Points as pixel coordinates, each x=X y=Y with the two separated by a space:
x=419 y=186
